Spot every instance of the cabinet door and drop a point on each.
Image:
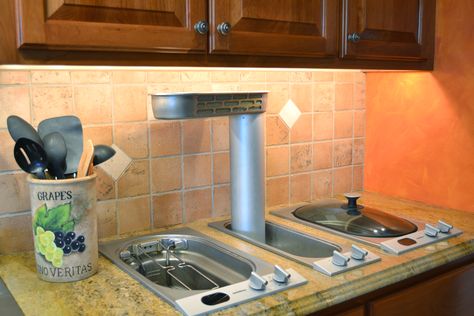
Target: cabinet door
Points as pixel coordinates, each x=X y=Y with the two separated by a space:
x=278 y=27
x=449 y=294
x=388 y=29
x=131 y=25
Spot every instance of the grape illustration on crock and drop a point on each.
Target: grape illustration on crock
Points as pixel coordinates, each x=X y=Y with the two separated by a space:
x=45 y=245
x=70 y=242
x=54 y=233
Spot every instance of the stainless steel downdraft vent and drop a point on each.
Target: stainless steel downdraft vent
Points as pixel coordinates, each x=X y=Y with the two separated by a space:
x=171 y=106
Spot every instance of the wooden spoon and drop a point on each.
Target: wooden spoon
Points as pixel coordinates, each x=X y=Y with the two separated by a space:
x=86 y=159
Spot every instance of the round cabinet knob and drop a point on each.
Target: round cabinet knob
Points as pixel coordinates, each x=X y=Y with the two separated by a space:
x=201 y=27
x=224 y=28
x=354 y=37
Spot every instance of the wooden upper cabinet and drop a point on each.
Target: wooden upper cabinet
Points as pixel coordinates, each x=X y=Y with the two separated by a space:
x=127 y=25
x=388 y=30
x=302 y=28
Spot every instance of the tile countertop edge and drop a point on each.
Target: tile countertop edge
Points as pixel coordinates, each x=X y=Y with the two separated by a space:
x=368 y=283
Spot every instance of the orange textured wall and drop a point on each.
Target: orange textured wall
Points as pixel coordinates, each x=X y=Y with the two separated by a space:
x=420 y=126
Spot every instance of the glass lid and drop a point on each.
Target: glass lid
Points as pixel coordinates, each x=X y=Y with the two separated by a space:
x=354 y=219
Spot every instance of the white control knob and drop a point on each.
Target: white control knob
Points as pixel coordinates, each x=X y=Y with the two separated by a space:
x=256 y=282
x=339 y=259
x=358 y=253
x=431 y=231
x=280 y=275
x=444 y=227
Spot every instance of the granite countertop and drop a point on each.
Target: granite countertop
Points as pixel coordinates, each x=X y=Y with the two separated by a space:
x=112 y=291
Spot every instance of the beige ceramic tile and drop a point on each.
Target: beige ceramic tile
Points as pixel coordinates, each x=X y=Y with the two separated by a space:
x=105 y=185
x=225 y=76
x=51 y=101
x=132 y=139
x=197 y=171
x=166 y=174
x=167 y=209
x=343 y=124
x=225 y=87
x=358 y=178
x=277 y=133
x=221 y=168
x=90 y=76
x=359 y=123
x=278 y=76
x=14 y=193
x=300 y=76
x=278 y=95
x=197 y=204
x=322 y=155
x=7 y=159
x=220 y=134
x=116 y=165
x=133 y=214
x=300 y=188
x=358 y=151
x=277 y=161
x=249 y=87
x=222 y=203
x=342 y=152
x=344 y=96
x=302 y=130
x=342 y=180
x=106 y=218
x=135 y=181
x=359 y=95
x=195 y=76
x=320 y=76
x=277 y=192
x=301 y=158
x=196 y=136
x=93 y=104
x=18 y=227
x=252 y=76
x=322 y=184
x=344 y=76
x=302 y=96
x=14 y=100
x=323 y=126
x=323 y=96
x=14 y=77
x=100 y=135
x=163 y=76
x=130 y=103
x=50 y=76
x=127 y=76
x=165 y=138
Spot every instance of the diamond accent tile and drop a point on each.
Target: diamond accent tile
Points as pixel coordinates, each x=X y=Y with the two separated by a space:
x=116 y=165
x=290 y=113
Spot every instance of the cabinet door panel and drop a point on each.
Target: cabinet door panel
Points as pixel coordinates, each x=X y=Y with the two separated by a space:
x=449 y=294
x=389 y=29
x=136 y=25
x=280 y=27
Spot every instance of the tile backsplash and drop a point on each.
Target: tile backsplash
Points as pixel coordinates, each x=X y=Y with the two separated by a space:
x=174 y=172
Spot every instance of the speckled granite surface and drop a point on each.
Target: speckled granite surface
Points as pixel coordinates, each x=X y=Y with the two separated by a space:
x=112 y=292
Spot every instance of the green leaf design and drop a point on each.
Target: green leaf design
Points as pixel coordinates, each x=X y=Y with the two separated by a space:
x=68 y=227
x=55 y=219
x=40 y=217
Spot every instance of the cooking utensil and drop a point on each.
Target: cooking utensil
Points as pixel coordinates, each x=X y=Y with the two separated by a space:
x=19 y=128
x=102 y=153
x=55 y=148
x=31 y=157
x=86 y=159
x=71 y=129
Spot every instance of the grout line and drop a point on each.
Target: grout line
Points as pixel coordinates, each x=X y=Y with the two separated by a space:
x=14 y=213
x=211 y=145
